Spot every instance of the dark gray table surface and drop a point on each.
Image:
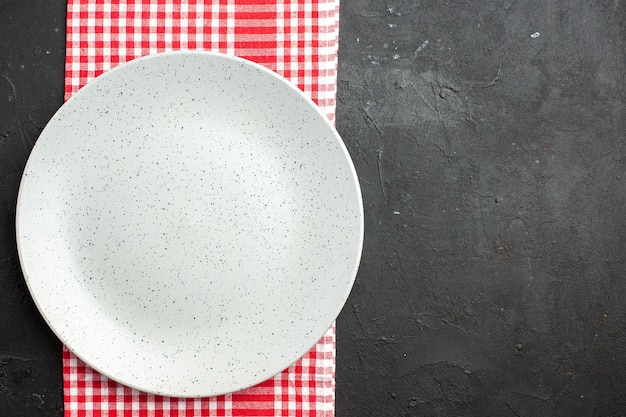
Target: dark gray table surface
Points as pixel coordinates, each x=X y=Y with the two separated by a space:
x=492 y=165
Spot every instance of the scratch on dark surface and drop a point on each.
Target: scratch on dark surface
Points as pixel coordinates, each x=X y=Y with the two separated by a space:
x=25 y=139
x=524 y=394
x=12 y=87
x=392 y=11
x=39 y=400
x=368 y=117
x=421 y=97
x=446 y=154
x=421 y=47
x=421 y=324
x=6 y=358
x=413 y=138
x=447 y=363
x=496 y=78
x=380 y=173
x=388 y=340
x=368 y=87
x=470 y=120
x=358 y=318
x=7 y=260
x=447 y=86
x=458 y=327
x=371 y=121
x=435 y=94
x=440 y=119
x=565 y=389
x=512 y=409
x=537 y=191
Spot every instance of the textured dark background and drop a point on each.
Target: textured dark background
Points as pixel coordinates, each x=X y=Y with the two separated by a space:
x=492 y=165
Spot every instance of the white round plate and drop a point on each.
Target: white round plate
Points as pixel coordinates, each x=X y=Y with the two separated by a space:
x=189 y=224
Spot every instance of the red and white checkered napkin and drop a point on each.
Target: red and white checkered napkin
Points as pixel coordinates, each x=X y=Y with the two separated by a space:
x=297 y=39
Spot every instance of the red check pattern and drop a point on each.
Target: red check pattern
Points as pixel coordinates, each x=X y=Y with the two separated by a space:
x=306 y=388
x=297 y=39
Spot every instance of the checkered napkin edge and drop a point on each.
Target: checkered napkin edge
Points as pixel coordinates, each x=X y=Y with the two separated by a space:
x=306 y=388
x=297 y=39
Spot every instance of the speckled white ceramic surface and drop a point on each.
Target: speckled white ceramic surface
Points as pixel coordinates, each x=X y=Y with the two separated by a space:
x=189 y=224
